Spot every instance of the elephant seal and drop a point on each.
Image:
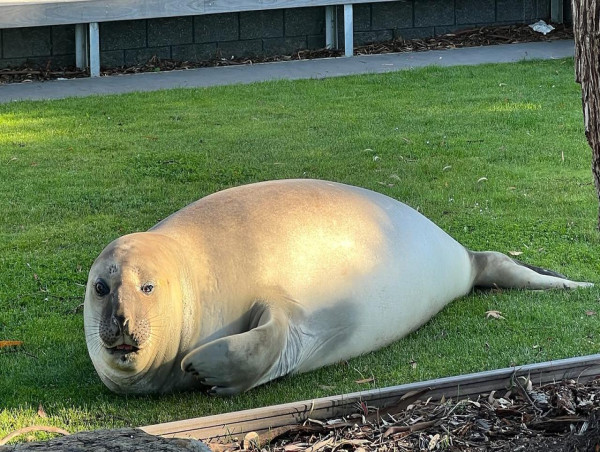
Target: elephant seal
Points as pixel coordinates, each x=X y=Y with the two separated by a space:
x=256 y=282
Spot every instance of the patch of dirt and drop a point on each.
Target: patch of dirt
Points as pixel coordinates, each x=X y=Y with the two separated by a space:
x=474 y=37
x=559 y=417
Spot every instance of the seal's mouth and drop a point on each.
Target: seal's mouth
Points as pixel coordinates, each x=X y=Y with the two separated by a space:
x=123 y=349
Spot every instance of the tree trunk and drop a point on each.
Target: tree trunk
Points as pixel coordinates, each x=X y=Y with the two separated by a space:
x=586 y=28
x=120 y=440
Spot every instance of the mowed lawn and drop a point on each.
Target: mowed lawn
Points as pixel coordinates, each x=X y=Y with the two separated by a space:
x=495 y=155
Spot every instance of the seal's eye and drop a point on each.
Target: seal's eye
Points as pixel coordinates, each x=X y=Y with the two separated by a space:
x=147 y=288
x=101 y=288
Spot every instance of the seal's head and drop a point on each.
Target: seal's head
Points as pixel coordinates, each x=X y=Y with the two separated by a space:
x=133 y=313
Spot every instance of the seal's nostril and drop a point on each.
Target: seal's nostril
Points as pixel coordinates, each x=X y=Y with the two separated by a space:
x=120 y=322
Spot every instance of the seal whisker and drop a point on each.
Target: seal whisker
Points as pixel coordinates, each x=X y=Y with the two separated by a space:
x=154 y=338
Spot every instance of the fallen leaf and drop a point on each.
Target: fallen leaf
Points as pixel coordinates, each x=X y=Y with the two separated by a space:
x=494 y=315
x=365 y=380
x=294 y=447
x=335 y=421
x=10 y=343
x=320 y=445
x=353 y=442
x=315 y=421
x=407 y=429
x=251 y=441
x=515 y=253
x=527 y=383
x=504 y=403
x=433 y=441
x=41 y=412
x=590 y=313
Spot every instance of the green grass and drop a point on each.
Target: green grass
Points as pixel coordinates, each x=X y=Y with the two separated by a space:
x=75 y=174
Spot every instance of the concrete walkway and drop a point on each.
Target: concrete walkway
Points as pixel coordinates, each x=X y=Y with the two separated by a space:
x=291 y=70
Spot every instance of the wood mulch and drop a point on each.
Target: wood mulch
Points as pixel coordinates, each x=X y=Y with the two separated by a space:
x=474 y=37
x=556 y=417
x=563 y=416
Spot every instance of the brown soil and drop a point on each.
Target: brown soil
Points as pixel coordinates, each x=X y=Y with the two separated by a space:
x=561 y=417
x=481 y=36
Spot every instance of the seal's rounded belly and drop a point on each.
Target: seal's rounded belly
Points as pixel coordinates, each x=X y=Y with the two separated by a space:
x=259 y=281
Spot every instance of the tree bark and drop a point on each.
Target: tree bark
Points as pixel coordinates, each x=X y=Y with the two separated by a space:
x=119 y=440
x=586 y=28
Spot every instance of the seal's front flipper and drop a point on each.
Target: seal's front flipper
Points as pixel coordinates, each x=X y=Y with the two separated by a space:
x=236 y=363
x=493 y=269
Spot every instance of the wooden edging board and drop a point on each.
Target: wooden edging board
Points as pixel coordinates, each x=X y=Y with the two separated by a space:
x=235 y=425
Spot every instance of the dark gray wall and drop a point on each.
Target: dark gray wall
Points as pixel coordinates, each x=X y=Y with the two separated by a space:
x=260 y=33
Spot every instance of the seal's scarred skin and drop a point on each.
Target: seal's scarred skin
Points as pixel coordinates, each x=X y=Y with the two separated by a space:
x=260 y=281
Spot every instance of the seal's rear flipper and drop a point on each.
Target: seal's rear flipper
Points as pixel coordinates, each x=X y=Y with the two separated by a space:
x=540 y=270
x=233 y=364
x=493 y=269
